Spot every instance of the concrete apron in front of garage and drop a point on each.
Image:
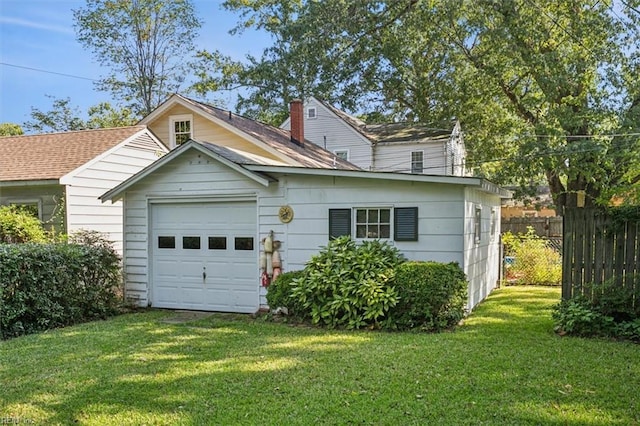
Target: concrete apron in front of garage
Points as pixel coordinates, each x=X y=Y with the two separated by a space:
x=181 y=317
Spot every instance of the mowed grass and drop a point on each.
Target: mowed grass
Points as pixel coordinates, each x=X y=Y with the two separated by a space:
x=504 y=366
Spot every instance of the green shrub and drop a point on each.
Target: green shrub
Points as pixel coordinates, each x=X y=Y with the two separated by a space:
x=433 y=296
x=44 y=286
x=535 y=262
x=620 y=302
x=578 y=317
x=602 y=310
x=18 y=225
x=279 y=293
x=347 y=284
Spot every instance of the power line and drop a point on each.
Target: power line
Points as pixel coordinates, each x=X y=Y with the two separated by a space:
x=48 y=72
x=530 y=156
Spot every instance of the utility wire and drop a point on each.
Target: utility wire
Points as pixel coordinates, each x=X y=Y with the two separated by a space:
x=48 y=72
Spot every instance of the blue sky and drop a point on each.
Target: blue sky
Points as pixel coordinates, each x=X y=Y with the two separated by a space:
x=39 y=34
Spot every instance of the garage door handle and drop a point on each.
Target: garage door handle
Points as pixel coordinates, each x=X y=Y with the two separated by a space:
x=204 y=274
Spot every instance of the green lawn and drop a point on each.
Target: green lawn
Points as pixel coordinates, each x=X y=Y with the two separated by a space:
x=504 y=366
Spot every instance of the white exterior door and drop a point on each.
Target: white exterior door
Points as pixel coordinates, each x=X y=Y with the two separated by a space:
x=204 y=256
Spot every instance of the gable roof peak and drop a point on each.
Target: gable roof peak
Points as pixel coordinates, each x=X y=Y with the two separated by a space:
x=275 y=139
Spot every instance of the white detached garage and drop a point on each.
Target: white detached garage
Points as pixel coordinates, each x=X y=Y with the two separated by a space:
x=194 y=219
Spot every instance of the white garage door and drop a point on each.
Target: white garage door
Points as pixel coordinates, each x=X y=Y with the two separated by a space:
x=204 y=256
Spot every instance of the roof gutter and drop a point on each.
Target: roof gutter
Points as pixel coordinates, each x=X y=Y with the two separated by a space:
x=41 y=182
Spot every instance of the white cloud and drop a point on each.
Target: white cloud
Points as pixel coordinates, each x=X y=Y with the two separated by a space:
x=36 y=25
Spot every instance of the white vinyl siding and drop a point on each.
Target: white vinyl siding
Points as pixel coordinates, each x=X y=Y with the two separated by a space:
x=397 y=157
x=334 y=134
x=84 y=210
x=482 y=258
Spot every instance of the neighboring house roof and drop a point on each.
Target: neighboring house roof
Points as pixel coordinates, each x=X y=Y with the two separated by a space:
x=307 y=155
x=392 y=132
x=260 y=171
x=53 y=155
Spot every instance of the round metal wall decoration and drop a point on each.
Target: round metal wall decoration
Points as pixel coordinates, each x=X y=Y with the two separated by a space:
x=285 y=214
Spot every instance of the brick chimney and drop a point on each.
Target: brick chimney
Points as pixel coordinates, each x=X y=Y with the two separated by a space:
x=296 y=115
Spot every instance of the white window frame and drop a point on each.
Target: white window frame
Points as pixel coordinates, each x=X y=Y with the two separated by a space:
x=477 y=223
x=176 y=118
x=309 y=114
x=367 y=224
x=337 y=153
x=412 y=162
x=27 y=201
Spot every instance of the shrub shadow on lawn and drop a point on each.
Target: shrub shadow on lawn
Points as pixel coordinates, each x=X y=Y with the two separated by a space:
x=137 y=369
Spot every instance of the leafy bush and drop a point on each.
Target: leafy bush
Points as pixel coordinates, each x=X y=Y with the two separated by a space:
x=535 y=262
x=603 y=310
x=279 y=293
x=348 y=285
x=578 y=317
x=433 y=296
x=44 y=286
x=18 y=225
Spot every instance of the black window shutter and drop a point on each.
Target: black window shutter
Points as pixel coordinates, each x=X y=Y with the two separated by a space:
x=405 y=223
x=339 y=223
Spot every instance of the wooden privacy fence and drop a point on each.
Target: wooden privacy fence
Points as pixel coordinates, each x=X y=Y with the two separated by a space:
x=598 y=249
x=543 y=226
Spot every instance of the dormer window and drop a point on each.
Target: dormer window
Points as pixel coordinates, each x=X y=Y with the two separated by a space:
x=312 y=113
x=181 y=127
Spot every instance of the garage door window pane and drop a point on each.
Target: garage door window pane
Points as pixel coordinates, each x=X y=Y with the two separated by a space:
x=217 y=243
x=167 y=242
x=191 y=243
x=244 y=243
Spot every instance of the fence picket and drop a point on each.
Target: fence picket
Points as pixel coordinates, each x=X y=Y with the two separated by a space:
x=597 y=250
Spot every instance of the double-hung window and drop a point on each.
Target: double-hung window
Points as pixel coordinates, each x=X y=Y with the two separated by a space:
x=417 y=162
x=181 y=127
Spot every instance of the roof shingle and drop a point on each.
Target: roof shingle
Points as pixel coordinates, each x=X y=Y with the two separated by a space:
x=53 y=155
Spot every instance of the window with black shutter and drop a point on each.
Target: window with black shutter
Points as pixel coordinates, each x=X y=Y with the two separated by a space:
x=339 y=223
x=405 y=223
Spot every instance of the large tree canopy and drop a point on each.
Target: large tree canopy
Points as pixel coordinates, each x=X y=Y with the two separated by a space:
x=543 y=89
x=144 y=43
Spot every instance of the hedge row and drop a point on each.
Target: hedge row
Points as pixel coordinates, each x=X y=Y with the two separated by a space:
x=44 y=286
x=371 y=285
